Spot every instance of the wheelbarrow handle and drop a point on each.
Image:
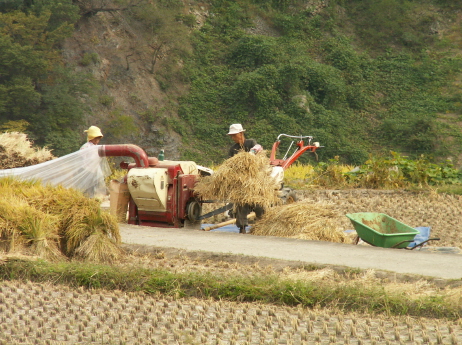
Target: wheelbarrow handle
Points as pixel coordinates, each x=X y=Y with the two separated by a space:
x=422 y=243
x=399 y=243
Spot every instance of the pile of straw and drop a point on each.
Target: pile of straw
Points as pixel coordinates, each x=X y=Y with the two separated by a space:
x=55 y=223
x=301 y=220
x=243 y=179
x=16 y=151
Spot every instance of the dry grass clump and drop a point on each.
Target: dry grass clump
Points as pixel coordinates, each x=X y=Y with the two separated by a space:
x=54 y=222
x=370 y=279
x=332 y=175
x=243 y=179
x=16 y=151
x=302 y=220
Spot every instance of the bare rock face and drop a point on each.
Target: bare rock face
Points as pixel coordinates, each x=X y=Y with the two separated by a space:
x=261 y=27
x=302 y=102
x=132 y=107
x=316 y=6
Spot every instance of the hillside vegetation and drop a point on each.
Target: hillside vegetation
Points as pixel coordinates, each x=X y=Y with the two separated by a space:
x=361 y=77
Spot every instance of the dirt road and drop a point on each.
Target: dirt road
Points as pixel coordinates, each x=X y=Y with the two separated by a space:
x=400 y=261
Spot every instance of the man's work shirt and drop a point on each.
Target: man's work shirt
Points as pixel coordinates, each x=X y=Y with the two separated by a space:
x=248 y=144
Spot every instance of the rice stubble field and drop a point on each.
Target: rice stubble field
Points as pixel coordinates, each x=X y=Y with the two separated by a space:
x=52 y=314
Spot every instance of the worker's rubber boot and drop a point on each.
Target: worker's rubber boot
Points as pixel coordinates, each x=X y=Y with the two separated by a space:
x=242 y=230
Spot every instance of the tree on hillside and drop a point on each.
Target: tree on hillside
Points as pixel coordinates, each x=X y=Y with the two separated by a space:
x=35 y=86
x=164 y=33
x=401 y=23
x=90 y=8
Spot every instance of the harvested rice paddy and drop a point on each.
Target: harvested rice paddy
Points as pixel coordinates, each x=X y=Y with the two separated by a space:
x=46 y=314
x=441 y=212
x=32 y=313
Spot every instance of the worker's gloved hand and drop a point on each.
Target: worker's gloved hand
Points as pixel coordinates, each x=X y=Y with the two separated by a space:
x=257 y=148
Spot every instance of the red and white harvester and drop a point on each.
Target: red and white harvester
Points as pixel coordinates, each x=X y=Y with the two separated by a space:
x=161 y=193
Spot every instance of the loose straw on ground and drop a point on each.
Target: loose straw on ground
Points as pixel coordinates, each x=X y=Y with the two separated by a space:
x=243 y=179
x=301 y=220
x=16 y=151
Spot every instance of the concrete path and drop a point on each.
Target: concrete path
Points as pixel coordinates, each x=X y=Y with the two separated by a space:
x=438 y=265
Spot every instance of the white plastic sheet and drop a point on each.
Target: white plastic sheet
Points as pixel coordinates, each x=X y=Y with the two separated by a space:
x=84 y=170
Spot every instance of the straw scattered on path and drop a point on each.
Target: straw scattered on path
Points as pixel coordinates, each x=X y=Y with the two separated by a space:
x=301 y=220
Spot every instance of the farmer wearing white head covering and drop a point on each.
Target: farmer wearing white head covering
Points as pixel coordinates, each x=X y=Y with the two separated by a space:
x=236 y=132
x=94 y=136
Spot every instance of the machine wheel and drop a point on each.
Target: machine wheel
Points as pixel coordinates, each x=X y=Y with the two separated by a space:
x=288 y=196
x=193 y=211
x=291 y=198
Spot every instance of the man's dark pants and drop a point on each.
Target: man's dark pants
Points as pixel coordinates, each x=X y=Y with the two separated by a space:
x=243 y=211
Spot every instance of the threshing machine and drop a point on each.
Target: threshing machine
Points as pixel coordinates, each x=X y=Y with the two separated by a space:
x=162 y=192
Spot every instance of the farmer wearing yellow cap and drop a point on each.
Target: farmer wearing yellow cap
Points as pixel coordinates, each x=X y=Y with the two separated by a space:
x=94 y=136
x=91 y=173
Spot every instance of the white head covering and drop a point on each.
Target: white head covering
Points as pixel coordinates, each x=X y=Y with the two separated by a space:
x=235 y=128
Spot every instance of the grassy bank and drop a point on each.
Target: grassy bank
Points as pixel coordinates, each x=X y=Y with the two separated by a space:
x=270 y=289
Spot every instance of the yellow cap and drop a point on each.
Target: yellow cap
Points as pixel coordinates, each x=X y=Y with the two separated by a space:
x=93 y=132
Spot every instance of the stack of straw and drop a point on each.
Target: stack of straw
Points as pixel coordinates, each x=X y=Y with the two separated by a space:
x=243 y=179
x=302 y=220
x=16 y=151
x=55 y=223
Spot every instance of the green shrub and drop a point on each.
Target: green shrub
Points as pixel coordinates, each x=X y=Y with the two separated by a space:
x=106 y=100
x=89 y=58
x=253 y=52
x=187 y=19
x=119 y=125
x=399 y=171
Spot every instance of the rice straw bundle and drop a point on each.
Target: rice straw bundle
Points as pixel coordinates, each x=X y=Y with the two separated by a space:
x=24 y=228
x=243 y=179
x=9 y=234
x=301 y=220
x=16 y=151
x=85 y=221
x=40 y=232
x=53 y=222
x=81 y=218
x=98 y=248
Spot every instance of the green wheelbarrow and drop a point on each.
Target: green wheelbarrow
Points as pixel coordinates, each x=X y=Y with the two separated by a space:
x=380 y=230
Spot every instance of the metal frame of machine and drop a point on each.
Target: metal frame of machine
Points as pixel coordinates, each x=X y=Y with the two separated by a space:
x=302 y=148
x=174 y=202
x=181 y=205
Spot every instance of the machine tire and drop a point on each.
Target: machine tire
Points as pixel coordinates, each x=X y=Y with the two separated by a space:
x=193 y=211
x=291 y=198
